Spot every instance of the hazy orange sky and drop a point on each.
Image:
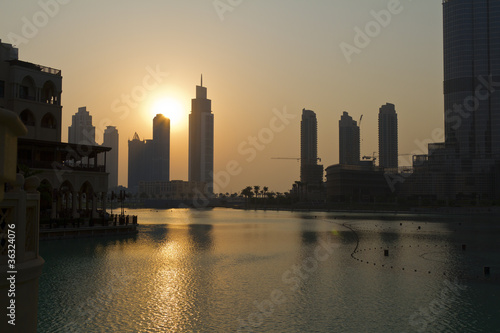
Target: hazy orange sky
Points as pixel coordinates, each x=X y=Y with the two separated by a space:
x=256 y=56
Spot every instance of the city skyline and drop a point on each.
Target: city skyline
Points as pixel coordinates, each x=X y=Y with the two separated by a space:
x=286 y=75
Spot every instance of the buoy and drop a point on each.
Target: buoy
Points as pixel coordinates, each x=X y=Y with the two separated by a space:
x=486 y=270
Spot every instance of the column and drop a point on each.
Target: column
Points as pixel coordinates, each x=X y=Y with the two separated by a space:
x=58 y=204
x=74 y=212
x=104 y=196
x=53 y=212
x=94 y=205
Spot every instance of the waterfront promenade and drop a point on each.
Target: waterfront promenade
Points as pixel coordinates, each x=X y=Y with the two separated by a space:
x=112 y=224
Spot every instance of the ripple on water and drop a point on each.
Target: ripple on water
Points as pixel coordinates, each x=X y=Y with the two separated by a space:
x=213 y=277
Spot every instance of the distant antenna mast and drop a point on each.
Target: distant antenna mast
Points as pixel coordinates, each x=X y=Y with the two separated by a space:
x=202 y=80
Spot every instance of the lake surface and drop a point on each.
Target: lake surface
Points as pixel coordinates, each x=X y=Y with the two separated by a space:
x=225 y=270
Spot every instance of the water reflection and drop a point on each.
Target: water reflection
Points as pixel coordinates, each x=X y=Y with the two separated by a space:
x=201 y=236
x=203 y=271
x=309 y=237
x=157 y=233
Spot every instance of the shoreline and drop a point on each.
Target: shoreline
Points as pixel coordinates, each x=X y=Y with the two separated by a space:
x=438 y=211
x=83 y=232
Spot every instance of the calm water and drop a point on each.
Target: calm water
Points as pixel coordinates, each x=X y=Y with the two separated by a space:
x=228 y=270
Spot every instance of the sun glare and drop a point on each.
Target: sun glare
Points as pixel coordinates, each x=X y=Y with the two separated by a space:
x=170 y=108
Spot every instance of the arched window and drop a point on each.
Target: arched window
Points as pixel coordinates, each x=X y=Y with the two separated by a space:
x=27 y=89
x=49 y=121
x=49 y=94
x=27 y=118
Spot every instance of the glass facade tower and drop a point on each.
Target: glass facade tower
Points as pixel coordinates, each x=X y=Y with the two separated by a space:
x=472 y=81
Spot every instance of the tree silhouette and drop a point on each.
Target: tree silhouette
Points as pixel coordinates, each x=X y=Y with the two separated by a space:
x=247 y=193
x=256 y=189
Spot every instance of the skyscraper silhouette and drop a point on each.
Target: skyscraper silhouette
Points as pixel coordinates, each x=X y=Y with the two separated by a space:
x=81 y=130
x=471 y=64
x=201 y=139
x=111 y=140
x=137 y=163
x=467 y=165
x=148 y=160
x=471 y=97
x=161 y=148
x=388 y=136
x=349 y=140
x=310 y=171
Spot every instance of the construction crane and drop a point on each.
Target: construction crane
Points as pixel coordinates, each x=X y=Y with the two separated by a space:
x=292 y=158
x=359 y=126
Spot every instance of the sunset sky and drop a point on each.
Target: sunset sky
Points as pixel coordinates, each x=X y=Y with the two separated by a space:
x=255 y=56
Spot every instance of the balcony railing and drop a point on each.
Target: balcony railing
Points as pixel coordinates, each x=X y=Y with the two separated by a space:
x=41 y=68
x=56 y=165
x=49 y=70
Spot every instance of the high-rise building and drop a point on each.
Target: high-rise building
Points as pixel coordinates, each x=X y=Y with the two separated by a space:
x=388 y=136
x=161 y=147
x=148 y=160
x=471 y=76
x=81 y=130
x=310 y=171
x=111 y=140
x=466 y=166
x=201 y=139
x=349 y=140
x=137 y=165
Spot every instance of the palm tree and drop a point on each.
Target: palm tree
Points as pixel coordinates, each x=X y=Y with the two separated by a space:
x=247 y=192
x=256 y=189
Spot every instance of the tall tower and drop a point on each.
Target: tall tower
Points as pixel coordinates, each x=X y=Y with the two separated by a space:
x=471 y=75
x=201 y=139
x=161 y=148
x=310 y=171
x=136 y=162
x=349 y=140
x=388 y=136
x=81 y=130
x=111 y=140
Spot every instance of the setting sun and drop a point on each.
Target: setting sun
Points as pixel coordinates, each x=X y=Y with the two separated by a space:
x=170 y=108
